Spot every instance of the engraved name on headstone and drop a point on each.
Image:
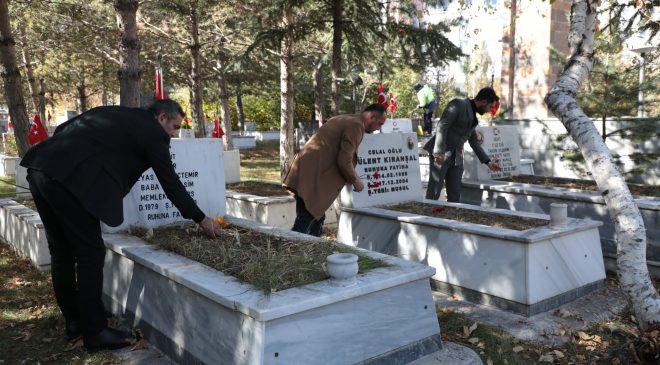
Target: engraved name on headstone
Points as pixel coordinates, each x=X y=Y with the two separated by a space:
x=200 y=166
x=388 y=164
x=500 y=142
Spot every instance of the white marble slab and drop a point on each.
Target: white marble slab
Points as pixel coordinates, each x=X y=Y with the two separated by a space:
x=526 y=267
x=276 y=211
x=200 y=165
x=581 y=203
x=388 y=164
x=22 y=228
x=397 y=126
x=212 y=318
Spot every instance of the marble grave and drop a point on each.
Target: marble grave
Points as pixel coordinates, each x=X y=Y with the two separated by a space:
x=526 y=271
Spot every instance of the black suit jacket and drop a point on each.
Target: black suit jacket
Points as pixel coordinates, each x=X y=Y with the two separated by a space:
x=99 y=155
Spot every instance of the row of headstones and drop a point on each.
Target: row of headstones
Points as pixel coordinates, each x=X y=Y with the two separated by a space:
x=388 y=163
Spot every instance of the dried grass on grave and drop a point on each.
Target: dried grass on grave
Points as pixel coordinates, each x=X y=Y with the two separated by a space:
x=270 y=263
x=560 y=182
x=258 y=188
x=469 y=216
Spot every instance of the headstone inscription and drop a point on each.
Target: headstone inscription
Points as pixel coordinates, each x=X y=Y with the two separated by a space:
x=388 y=164
x=397 y=125
x=200 y=166
x=499 y=142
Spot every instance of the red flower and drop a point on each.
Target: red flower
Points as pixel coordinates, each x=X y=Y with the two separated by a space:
x=436 y=211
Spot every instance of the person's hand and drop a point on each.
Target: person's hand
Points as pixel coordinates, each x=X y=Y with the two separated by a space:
x=480 y=136
x=495 y=165
x=440 y=158
x=210 y=227
x=358 y=186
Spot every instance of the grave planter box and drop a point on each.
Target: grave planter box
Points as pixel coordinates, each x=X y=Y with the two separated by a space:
x=277 y=211
x=8 y=165
x=198 y=315
x=581 y=203
x=21 y=227
x=232 y=166
x=243 y=142
x=527 y=272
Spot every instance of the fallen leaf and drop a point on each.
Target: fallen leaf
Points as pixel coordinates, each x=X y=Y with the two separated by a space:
x=547 y=358
x=517 y=349
x=473 y=340
x=489 y=361
x=590 y=348
x=72 y=345
x=139 y=345
x=584 y=336
x=559 y=354
x=473 y=327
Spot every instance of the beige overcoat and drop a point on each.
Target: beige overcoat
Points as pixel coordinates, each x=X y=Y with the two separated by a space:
x=326 y=163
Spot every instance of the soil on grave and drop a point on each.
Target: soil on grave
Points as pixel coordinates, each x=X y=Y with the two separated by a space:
x=258 y=188
x=635 y=189
x=270 y=263
x=469 y=216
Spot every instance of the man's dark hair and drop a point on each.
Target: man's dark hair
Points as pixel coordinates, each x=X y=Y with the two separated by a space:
x=417 y=86
x=379 y=109
x=487 y=94
x=168 y=106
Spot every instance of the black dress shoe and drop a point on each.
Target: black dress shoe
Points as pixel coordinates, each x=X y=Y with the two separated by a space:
x=108 y=338
x=72 y=329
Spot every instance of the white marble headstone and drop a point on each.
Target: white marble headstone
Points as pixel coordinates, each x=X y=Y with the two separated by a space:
x=388 y=164
x=199 y=163
x=499 y=142
x=397 y=125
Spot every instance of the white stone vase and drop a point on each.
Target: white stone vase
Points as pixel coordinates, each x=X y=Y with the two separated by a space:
x=558 y=215
x=186 y=133
x=342 y=268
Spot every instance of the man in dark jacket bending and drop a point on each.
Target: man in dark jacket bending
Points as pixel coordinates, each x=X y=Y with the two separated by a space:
x=78 y=178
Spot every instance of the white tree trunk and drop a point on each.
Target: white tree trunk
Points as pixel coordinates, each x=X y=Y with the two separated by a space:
x=286 y=98
x=630 y=232
x=224 y=106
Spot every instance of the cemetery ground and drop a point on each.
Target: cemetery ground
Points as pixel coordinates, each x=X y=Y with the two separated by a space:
x=31 y=325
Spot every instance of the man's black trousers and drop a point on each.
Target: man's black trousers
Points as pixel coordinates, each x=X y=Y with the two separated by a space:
x=77 y=252
x=305 y=222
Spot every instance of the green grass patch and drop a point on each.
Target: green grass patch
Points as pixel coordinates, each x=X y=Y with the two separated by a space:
x=261 y=163
x=270 y=263
x=7 y=186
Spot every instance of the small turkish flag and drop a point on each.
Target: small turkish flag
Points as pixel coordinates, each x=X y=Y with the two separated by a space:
x=382 y=97
x=217 y=130
x=393 y=103
x=37 y=131
x=495 y=108
x=160 y=87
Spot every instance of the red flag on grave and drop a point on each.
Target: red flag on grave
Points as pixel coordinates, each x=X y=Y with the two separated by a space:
x=160 y=86
x=382 y=97
x=37 y=131
x=217 y=129
x=393 y=103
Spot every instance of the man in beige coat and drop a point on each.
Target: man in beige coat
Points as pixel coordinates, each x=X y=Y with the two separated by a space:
x=327 y=163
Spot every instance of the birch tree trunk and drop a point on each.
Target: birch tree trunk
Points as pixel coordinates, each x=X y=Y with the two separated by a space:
x=129 y=53
x=196 y=85
x=319 y=100
x=630 y=231
x=240 y=116
x=12 y=81
x=286 y=98
x=224 y=106
x=336 y=55
x=33 y=85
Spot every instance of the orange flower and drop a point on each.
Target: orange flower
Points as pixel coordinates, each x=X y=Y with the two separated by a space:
x=221 y=221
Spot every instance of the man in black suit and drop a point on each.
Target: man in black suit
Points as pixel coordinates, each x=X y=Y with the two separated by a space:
x=78 y=178
x=456 y=126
